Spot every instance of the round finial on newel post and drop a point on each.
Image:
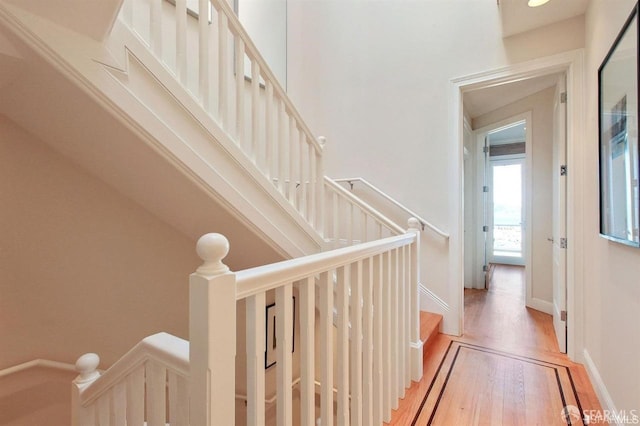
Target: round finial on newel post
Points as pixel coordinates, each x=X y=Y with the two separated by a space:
x=212 y=248
x=87 y=366
x=414 y=224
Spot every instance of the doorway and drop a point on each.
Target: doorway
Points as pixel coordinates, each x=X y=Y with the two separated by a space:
x=505 y=167
x=502 y=194
x=543 y=302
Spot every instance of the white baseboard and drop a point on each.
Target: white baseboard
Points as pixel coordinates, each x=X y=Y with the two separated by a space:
x=540 y=305
x=598 y=384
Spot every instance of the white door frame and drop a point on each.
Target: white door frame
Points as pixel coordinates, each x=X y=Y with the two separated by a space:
x=572 y=63
x=479 y=135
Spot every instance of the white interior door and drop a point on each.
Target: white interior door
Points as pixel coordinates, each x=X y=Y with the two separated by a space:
x=558 y=239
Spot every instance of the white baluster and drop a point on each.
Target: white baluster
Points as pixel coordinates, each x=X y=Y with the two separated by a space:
x=321 y=188
x=103 y=410
x=356 y=344
x=223 y=70
x=254 y=151
x=127 y=12
x=367 y=342
x=178 y=399
x=407 y=315
x=203 y=55
x=343 y=346
x=155 y=37
x=350 y=213
x=387 y=361
x=156 y=384
x=294 y=140
x=87 y=367
x=307 y=351
x=280 y=147
x=416 y=344
x=255 y=330
x=269 y=129
x=239 y=76
x=284 y=339
x=304 y=182
x=336 y=219
x=402 y=309
x=394 y=328
x=326 y=346
x=312 y=185
x=212 y=335
x=181 y=41
x=120 y=403
x=378 y=340
x=135 y=397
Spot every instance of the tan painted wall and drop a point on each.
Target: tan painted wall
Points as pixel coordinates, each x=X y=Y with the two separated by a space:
x=82 y=268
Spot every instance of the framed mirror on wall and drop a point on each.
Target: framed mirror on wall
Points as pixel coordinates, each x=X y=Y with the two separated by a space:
x=618 y=141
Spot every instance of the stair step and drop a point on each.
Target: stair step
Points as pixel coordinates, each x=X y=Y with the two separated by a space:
x=430 y=325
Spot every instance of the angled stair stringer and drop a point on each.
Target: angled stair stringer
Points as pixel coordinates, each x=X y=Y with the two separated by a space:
x=172 y=134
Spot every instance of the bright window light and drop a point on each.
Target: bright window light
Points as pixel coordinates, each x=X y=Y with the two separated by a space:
x=536 y=3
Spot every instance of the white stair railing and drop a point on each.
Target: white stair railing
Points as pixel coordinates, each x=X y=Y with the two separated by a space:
x=349 y=220
x=376 y=296
x=208 y=57
x=381 y=194
x=149 y=384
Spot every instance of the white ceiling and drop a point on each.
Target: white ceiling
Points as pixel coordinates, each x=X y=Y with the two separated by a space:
x=479 y=102
x=517 y=17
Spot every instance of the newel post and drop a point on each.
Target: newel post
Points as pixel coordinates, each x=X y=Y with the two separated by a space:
x=87 y=366
x=416 y=343
x=212 y=335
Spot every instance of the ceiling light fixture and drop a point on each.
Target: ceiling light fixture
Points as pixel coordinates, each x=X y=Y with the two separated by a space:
x=536 y=3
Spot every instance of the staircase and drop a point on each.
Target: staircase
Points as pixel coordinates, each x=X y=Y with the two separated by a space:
x=215 y=130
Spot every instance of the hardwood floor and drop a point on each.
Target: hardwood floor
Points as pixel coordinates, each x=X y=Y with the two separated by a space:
x=505 y=370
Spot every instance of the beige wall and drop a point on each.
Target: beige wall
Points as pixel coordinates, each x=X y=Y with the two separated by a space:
x=541 y=106
x=82 y=268
x=611 y=283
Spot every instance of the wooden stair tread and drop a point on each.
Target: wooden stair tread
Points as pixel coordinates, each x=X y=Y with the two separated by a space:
x=430 y=324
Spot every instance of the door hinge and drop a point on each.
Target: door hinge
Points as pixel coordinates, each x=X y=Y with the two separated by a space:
x=563 y=170
x=485 y=228
x=485 y=268
x=485 y=149
x=563 y=97
x=485 y=188
x=563 y=243
x=563 y=315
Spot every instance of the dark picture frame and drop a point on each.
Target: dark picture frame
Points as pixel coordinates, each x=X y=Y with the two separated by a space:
x=618 y=94
x=271 y=343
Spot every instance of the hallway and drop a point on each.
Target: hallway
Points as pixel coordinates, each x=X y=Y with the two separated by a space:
x=505 y=369
x=497 y=317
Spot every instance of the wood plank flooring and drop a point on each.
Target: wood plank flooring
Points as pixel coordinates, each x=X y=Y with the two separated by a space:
x=505 y=369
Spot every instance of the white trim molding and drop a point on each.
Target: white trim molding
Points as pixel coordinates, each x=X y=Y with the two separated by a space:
x=572 y=64
x=598 y=384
